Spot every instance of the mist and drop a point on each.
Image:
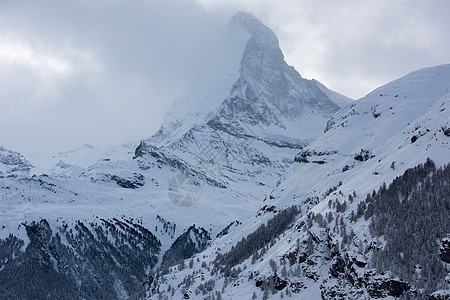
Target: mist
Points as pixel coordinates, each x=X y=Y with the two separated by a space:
x=97 y=72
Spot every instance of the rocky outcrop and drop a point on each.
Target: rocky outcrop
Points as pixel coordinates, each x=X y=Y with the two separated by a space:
x=134 y=181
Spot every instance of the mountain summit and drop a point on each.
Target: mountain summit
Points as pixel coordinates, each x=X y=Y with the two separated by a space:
x=254 y=85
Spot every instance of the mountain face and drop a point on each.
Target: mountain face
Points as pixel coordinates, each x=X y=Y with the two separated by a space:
x=370 y=199
x=99 y=220
x=259 y=96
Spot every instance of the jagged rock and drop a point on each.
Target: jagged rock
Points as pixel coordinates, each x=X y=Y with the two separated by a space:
x=446 y=131
x=360 y=264
x=141 y=150
x=227 y=228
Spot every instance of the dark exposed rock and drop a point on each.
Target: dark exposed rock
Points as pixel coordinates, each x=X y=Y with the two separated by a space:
x=296 y=287
x=338 y=267
x=269 y=208
x=227 y=228
x=363 y=155
x=141 y=150
x=440 y=295
x=360 y=264
x=444 y=251
x=303 y=156
x=303 y=257
x=446 y=131
x=391 y=287
x=279 y=283
x=135 y=181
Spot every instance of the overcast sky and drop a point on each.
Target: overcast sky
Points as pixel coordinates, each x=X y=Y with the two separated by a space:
x=105 y=71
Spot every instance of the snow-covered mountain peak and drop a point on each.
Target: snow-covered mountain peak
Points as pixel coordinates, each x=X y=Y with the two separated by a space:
x=260 y=32
x=252 y=84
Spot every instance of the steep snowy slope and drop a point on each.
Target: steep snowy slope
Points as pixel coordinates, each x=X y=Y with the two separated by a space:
x=395 y=127
x=334 y=246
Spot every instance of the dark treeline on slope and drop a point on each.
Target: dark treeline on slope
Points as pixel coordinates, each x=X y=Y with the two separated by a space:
x=192 y=241
x=412 y=215
x=261 y=237
x=100 y=260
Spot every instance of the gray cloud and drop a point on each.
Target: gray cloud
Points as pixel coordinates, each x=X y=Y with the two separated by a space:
x=105 y=71
x=99 y=72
